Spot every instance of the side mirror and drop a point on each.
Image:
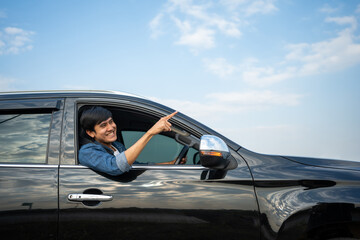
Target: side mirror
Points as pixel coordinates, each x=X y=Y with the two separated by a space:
x=214 y=153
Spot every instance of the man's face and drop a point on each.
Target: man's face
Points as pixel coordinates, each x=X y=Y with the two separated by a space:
x=105 y=132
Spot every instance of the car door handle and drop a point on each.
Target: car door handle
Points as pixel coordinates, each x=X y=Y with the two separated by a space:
x=77 y=197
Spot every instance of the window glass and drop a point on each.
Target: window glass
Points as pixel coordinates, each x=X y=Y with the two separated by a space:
x=24 y=137
x=193 y=156
x=159 y=149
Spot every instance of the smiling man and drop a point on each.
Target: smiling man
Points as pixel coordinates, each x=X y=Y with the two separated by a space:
x=103 y=153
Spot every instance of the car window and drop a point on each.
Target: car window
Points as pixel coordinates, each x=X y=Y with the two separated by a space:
x=164 y=147
x=24 y=137
x=159 y=149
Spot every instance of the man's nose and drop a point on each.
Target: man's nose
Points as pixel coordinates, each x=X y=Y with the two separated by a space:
x=109 y=127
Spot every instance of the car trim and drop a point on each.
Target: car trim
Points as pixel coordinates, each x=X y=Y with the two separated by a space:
x=148 y=167
x=134 y=167
x=164 y=167
x=30 y=165
x=43 y=105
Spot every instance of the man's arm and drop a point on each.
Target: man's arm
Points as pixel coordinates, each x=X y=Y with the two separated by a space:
x=182 y=161
x=160 y=126
x=97 y=158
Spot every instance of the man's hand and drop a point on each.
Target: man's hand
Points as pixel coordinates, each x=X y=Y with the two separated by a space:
x=183 y=160
x=162 y=125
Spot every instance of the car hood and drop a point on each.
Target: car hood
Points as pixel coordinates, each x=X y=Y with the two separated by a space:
x=329 y=163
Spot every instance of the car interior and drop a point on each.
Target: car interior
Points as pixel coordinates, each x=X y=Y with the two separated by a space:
x=166 y=146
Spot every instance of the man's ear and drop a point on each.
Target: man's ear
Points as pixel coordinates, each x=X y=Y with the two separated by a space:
x=90 y=133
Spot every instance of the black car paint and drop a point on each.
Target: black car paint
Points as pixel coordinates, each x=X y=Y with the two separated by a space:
x=310 y=202
x=266 y=197
x=174 y=195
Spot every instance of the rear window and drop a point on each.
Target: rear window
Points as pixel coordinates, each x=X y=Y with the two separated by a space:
x=24 y=137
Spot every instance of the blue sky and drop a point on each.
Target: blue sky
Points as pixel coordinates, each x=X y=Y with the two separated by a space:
x=277 y=77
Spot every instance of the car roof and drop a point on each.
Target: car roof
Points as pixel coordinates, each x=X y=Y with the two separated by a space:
x=104 y=94
x=66 y=93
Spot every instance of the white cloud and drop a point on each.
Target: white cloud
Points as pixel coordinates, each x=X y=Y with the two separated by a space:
x=220 y=67
x=227 y=27
x=248 y=71
x=15 y=40
x=327 y=56
x=232 y=103
x=225 y=113
x=348 y=20
x=233 y=4
x=262 y=7
x=330 y=55
x=265 y=76
x=269 y=139
x=196 y=110
x=154 y=26
x=14 y=31
x=201 y=38
x=197 y=23
x=327 y=9
x=250 y=7
x=302 y=59
x=257 y=98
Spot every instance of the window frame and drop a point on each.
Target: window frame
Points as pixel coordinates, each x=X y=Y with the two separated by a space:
x=146 y=109
x=51 y=106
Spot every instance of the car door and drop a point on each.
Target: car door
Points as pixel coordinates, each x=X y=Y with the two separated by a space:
x=29 y=153
x=153 y=201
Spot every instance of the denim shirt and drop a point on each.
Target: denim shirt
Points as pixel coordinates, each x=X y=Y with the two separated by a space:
x=101 y=158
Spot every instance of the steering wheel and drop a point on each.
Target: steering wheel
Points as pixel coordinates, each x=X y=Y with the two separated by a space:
x=182 y=154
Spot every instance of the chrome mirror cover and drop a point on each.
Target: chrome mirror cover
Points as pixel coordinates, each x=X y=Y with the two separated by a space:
x=214 y=153
x=212 y=143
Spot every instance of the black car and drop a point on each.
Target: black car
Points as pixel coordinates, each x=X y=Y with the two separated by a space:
x=224 y=191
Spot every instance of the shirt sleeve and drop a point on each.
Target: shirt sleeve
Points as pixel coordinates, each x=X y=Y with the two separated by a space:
x=97 y=158
x=122 y=162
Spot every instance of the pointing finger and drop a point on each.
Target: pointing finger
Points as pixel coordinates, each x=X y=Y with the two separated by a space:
x=170 y=115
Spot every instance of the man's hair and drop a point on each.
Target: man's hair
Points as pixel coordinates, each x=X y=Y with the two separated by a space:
x=92 y=116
